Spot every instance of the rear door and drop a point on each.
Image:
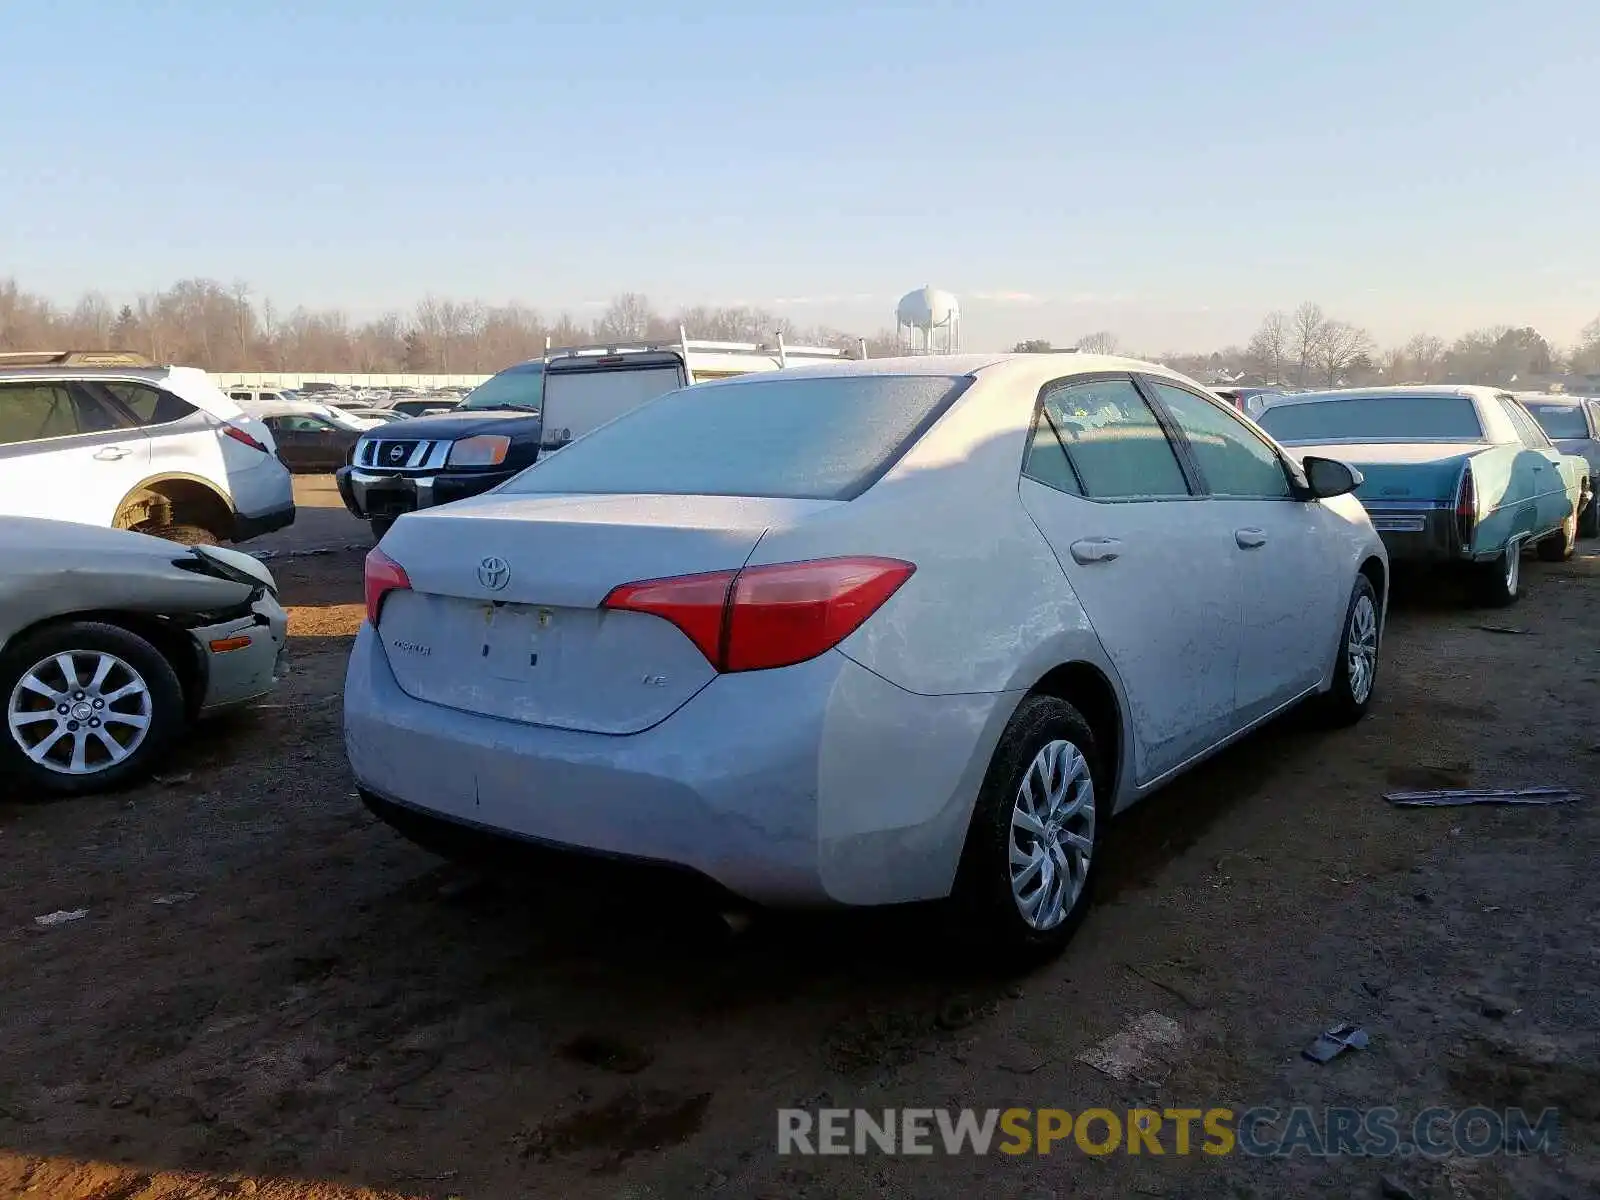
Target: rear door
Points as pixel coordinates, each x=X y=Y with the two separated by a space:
x=64 y=454
x=182 y=440
x=1293 y=591
x=1151 y=561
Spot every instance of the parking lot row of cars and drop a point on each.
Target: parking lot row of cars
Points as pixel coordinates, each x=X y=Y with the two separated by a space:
x=851 y=633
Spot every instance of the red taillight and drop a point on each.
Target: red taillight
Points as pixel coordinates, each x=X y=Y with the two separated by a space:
x=772 y=616
x=383 y=575
x=1466 y=509
x=239 y=435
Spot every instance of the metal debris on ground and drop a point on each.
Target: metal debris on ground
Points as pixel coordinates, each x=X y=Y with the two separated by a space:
x=1452 y=797
x=1505 y=629
x=175 y=898
x=1129 y=1053
x=60 y=917
x=1336 y=1041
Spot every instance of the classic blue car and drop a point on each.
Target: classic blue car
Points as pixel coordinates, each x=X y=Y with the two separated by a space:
x=1453 y=475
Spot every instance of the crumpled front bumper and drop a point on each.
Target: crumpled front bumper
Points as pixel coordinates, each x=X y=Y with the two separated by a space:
x=244 y=658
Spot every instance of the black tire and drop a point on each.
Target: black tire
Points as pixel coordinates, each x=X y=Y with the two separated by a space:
x=1498 y=583
x=381 y=526
x=1349 y=698
x=1558 y=547
x=184 y=535
x=167 y=712
x=987 y=915
x=1589 y=519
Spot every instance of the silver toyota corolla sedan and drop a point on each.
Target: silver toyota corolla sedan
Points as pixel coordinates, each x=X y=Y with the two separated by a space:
x=111 y=642
x=888 y=631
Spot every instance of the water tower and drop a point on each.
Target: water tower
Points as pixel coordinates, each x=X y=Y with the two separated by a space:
x=928 y=321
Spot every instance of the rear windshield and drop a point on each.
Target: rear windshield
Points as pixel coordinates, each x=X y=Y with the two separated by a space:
x=1558 y=420
x=816 y=438
x=520 y=389
x=1375 y=419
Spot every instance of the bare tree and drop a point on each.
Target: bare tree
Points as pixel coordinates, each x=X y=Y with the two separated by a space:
x=1585 y=356
x=1032 y=346
x=1307 y=333
x=1268 y=350
x=1423 y=354
x=1340 y=348
x=628 y=316
x=1100 y=342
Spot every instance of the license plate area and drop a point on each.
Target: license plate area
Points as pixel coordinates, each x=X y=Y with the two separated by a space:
x=1399 y=524
x=521 y=643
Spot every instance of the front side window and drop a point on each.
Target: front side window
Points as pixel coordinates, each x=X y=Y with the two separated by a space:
x=32 y=412
x=1099 y=439
x=1233 y=460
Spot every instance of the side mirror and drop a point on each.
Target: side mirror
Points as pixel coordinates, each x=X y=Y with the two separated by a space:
x=1328 y=477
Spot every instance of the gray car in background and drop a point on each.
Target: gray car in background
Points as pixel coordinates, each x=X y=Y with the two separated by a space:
x=1573 y=424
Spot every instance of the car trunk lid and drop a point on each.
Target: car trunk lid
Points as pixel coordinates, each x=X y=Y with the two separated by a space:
x=503 y=616
x=1401 y=470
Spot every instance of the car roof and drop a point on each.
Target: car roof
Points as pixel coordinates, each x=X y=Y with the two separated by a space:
x=1442 y=391
x=153 y=374
x=1019 y=368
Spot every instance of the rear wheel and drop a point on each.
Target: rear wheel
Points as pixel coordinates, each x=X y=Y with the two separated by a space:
x=1498 y=583
x=1028 y=869
x=1558 y=547
x=88 y=707
x=1589 y=519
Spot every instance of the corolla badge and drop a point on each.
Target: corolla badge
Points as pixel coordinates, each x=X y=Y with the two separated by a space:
x=494 y=573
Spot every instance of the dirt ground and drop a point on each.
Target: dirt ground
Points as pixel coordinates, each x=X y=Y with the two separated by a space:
x=273 y=995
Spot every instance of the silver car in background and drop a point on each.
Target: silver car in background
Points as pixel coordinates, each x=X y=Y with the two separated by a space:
x=112 y=642
x=889 y=631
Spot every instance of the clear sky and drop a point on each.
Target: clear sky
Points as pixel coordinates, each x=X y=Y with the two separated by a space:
x=1167 y=170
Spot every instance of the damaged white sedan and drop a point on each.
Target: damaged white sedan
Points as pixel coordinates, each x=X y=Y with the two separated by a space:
x=112 y=643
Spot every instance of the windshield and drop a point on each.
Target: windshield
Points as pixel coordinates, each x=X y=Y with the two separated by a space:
x=1375 y=419
x=816 y=438
x=1558 y=420
x=520 y=388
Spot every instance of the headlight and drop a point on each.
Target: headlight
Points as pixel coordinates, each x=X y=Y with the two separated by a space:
x=485 y=450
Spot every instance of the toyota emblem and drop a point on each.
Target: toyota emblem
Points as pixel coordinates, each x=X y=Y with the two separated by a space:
x=494 y=573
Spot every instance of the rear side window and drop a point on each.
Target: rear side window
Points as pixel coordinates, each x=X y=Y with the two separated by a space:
x=1375 y=419
x=1560 y=420
x=150 y=405
x=1098 y=438
x=812 y=438
x=32 y=412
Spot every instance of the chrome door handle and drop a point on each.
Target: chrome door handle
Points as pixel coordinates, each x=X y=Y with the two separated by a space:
x=1250 y=539
x=111 y=453
x=1094 y=550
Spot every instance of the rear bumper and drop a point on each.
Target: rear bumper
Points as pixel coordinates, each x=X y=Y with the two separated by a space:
x=817 y=784
x=369 y=494
x=1419 y=532
x=247 y=526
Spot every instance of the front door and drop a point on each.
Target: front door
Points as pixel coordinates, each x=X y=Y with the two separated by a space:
x=65 y=455
x=1293 y=594
x=1151 y=563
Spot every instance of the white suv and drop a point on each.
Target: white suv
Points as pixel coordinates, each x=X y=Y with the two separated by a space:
x=111 y=440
